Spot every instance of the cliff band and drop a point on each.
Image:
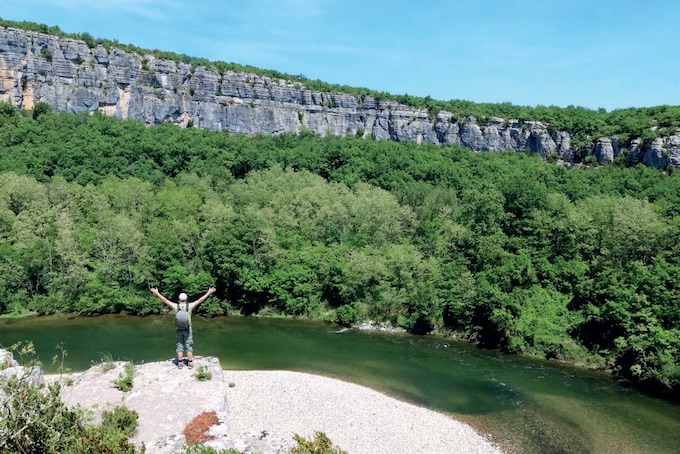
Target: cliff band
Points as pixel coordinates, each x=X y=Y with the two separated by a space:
x=73 y=77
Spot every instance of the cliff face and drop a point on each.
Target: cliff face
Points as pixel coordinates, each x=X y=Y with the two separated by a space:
x=70 y=76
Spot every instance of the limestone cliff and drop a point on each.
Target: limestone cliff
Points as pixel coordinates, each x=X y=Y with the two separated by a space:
x=72 y=77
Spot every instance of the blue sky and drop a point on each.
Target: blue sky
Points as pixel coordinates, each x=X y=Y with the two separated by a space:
x=591 y=53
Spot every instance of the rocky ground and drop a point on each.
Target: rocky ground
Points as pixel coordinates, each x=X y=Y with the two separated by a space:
x=260 y=411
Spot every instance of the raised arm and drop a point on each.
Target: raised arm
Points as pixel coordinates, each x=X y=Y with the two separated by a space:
x=155 y=291
x=210 y=291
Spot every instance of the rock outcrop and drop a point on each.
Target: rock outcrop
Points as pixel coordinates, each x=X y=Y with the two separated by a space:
x=663 y=152
x=605 y=150
x=9 y=367
x=167 y=399
x=72 y=77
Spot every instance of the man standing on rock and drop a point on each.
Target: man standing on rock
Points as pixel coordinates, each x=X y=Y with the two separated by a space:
x=184 y=338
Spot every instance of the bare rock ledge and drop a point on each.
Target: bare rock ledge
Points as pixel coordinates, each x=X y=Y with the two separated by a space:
x=260 y=411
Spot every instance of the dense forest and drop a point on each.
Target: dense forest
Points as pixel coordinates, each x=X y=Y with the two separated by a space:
x=503 y=249
x=584 y=125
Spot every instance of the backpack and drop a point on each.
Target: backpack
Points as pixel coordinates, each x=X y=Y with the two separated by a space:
x=182 y=318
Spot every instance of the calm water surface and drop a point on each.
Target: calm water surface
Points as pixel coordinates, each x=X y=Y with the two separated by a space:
x=529 y=406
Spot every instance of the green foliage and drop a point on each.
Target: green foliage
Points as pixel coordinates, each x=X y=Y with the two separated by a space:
x=25 y=351
x=46 y=53
x=34 y=419
x=202 y=373
x=120 y=419
x=60 y=358
x=41 y=108
x=124 y=380
x=347 y=315
x=578 y=264
x=536 y=321
x=320 y=444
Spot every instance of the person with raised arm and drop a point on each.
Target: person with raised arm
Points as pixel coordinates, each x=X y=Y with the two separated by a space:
x=184 y=338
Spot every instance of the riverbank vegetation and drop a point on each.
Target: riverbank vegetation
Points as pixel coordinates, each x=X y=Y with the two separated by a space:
x=576 y=264
x=33 y=418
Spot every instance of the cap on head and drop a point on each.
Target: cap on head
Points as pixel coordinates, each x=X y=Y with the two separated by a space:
x=182 y=296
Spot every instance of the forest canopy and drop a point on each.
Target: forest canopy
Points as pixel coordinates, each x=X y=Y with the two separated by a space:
x=504 y=249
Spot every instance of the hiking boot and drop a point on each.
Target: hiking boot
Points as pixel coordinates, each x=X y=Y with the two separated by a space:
x=180 y=364
x=190 y=364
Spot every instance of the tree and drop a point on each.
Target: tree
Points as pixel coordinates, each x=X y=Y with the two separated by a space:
x=41 y=108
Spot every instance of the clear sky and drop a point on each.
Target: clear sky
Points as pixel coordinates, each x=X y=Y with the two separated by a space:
x=591 y=53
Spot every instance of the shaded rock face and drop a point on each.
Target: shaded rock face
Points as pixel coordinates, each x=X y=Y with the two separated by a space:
x=72 y=77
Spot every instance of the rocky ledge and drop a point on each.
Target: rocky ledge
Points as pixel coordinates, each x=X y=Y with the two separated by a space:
x=167 y=399
x=260 y=411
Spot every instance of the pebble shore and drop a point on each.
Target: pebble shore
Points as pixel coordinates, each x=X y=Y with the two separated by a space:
x=359 y=420
x=261 y=411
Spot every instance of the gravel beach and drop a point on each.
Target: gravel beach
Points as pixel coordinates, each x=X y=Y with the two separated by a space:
x=260 y=411
x=357 y=419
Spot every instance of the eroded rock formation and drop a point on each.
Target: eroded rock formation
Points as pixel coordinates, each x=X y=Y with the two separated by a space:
x=70 y=76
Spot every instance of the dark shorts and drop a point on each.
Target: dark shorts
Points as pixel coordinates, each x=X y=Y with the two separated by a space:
x=184 y=340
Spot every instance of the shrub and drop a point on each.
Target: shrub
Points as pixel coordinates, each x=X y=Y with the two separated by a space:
x=124 y=381
x=34 y=419
x=46 y=53
x=106 y=361
x=320 y=444
x=121 y=419
x=202 y=373
x=347 y=315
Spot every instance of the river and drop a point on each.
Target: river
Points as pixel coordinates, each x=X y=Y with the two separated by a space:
x=531 y=406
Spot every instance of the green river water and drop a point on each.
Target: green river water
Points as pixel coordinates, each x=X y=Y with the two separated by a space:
x=529 y=406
